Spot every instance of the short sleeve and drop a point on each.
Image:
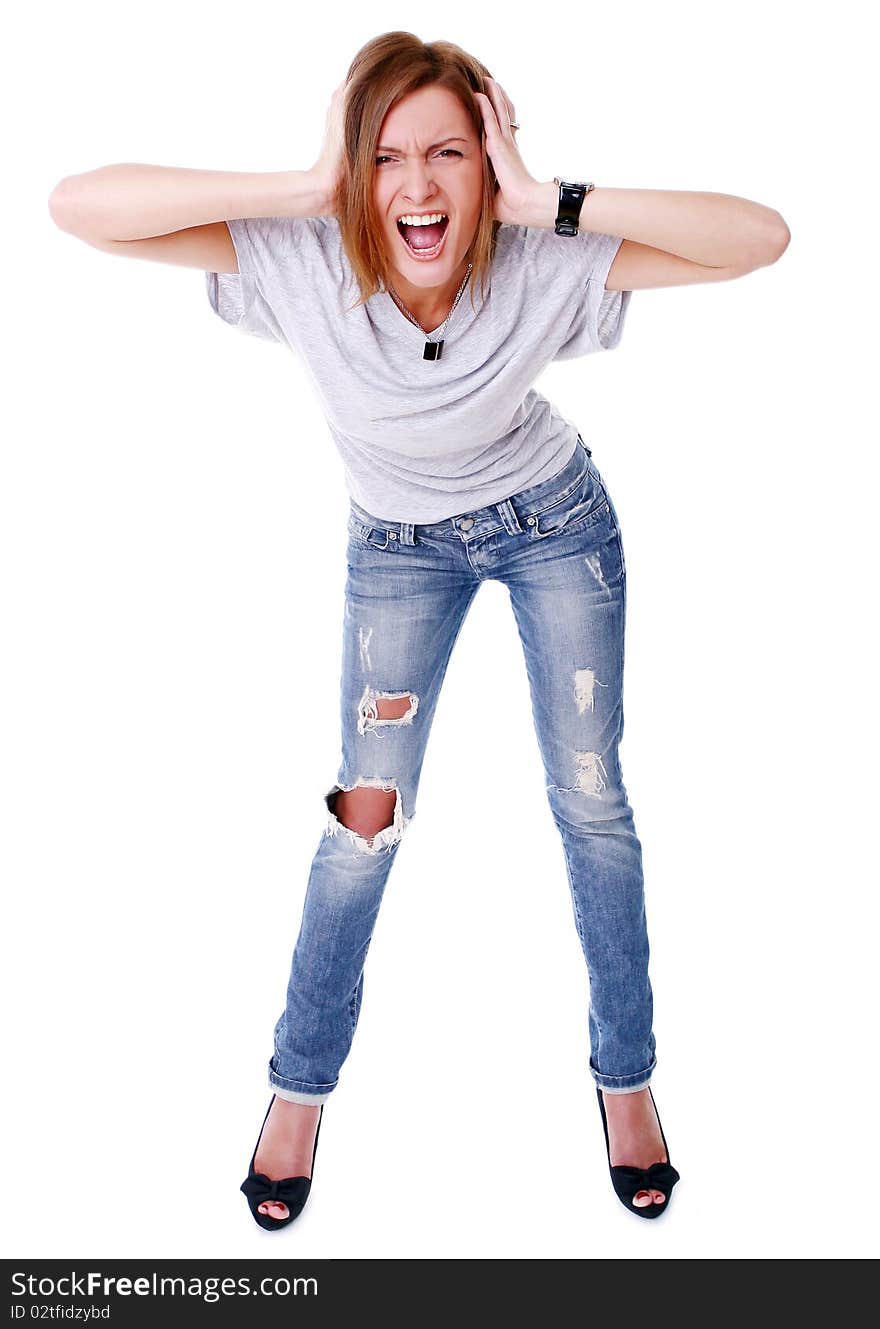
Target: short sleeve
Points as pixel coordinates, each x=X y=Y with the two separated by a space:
x=244 y=299
x=583 y=262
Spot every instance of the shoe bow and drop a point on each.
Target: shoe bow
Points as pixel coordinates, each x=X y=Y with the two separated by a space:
x=287 y=1190
x=657 y=1177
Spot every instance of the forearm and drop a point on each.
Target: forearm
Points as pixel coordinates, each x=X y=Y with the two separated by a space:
x=718 y=230
x=133 y=200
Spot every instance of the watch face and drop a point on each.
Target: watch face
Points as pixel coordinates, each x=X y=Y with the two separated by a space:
x=571 y=195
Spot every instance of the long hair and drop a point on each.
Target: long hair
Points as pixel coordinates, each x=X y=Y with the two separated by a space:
x=383 y=72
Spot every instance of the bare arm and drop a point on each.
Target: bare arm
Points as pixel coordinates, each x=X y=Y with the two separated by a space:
x=176 y=214
x=673 y=237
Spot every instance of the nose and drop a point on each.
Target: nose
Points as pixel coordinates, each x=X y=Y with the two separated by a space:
x=418 y=185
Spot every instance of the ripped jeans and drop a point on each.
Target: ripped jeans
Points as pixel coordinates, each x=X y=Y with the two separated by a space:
x=557 y=548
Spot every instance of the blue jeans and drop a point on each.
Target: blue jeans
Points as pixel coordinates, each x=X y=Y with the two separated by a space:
x=557 y=548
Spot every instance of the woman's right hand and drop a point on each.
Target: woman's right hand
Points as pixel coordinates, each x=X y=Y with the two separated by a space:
x=328 y=168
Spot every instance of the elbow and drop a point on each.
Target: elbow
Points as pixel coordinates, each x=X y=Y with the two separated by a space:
x=766 y=247
x=782 y=238
x=776 y=242
x=55 y=203
x=61 y=204
x=79 y=203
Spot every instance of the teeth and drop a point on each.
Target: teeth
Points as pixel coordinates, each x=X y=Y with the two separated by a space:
x=409 y=219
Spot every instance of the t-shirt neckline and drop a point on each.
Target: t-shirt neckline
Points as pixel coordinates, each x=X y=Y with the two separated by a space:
x=390 y=318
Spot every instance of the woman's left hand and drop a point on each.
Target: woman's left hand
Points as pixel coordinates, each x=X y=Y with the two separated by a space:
x=516 y=186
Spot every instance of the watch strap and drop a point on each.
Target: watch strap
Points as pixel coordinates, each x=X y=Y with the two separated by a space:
x=571 y=198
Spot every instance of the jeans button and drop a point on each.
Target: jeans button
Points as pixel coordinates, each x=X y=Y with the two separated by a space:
x=466 y=523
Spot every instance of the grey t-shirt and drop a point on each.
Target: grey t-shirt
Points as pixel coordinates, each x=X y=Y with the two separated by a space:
x=422 y=440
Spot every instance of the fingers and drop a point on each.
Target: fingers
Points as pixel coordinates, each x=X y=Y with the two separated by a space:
x=503 y=107
x=486 y=107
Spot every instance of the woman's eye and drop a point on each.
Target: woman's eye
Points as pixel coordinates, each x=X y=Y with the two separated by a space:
x=455 y=152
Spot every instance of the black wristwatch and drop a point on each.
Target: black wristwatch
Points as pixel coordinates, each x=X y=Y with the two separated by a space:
x=571 y=198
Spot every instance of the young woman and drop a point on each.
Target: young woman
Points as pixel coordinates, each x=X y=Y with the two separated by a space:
x=458 y=472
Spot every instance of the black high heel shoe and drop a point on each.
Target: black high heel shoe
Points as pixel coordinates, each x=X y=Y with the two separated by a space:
x=628 y=1181
x=292 y=1191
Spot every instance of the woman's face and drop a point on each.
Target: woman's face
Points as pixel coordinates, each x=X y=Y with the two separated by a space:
x=418 y=171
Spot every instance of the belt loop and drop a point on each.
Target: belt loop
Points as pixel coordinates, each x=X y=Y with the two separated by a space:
x=507 y=513
x=407 y=533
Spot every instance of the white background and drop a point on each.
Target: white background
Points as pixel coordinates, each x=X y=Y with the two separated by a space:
x=173 y=560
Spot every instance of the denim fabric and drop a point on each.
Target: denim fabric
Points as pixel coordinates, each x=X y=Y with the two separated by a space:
x=557 y=548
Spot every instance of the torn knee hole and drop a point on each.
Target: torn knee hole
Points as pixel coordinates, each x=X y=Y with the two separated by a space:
x=385 y=708
x=591 y=777
x=393 y=708
x=365 y=811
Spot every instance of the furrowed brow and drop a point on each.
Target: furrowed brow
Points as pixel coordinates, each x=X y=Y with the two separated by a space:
x=430 y=149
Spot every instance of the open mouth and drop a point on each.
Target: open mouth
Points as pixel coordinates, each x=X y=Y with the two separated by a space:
x=428 y=240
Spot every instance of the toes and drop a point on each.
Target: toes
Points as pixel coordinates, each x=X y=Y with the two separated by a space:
x=273 y=1209
x=642 y=1199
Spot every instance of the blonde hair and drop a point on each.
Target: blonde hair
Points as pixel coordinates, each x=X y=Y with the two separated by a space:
x=383 y=72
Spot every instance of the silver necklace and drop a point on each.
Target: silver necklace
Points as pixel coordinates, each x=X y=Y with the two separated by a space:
x=433 y=349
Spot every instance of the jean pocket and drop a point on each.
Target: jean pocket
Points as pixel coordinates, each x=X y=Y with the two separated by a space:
x=585 y=503
x=376 y=537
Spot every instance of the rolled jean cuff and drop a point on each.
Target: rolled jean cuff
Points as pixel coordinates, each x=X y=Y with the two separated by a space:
x=624 y=1084
x=297 y=1091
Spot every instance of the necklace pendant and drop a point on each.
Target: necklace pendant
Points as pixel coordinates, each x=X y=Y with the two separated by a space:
x=433 y=350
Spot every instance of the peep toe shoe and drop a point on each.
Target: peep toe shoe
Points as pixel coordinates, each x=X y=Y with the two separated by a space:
x=628 y=1181
x=292 y=1191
